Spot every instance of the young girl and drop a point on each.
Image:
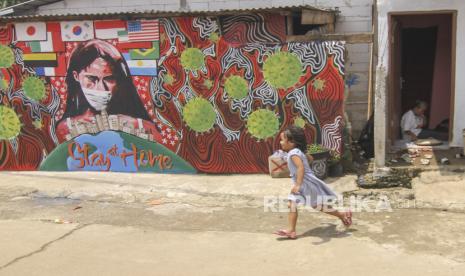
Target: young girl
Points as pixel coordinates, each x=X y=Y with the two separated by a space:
x=307 y=187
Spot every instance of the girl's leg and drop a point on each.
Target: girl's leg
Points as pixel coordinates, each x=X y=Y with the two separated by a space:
x=345 y=217
x=292 y=216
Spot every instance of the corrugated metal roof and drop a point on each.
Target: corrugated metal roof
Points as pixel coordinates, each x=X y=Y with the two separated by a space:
x=152 y=13
x=27 y=6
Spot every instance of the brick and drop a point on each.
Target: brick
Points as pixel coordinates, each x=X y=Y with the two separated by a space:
x=353 y=27
x=228 y=5
x=251 y=4
x=343 y=3
x=197 y=6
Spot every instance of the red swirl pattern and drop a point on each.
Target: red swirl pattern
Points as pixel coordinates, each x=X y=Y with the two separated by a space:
x=209 y=152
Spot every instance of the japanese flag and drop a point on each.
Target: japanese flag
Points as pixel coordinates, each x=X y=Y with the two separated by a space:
x=31 y=31
x=77 y=30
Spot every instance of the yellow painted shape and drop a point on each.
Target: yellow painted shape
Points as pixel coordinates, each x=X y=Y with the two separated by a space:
x=40 y=56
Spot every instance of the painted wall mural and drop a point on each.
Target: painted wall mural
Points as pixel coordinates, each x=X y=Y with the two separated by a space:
x=177 y=95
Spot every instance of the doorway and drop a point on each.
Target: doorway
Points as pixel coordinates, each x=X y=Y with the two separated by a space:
x=421 y=69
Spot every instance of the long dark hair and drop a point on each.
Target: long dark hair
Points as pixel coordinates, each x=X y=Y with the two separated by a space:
x=296 y=135
x=125 y=99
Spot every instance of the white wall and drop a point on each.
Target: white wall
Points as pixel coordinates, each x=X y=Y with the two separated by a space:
x=104 y=6
x=355 y=17
x=387 y=6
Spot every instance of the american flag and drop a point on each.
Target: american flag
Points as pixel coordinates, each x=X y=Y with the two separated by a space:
x=143 y=30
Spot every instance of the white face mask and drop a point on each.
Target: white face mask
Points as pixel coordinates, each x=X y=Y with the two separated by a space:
x=98 y=99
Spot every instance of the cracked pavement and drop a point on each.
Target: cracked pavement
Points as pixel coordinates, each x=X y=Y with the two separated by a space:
x=144 y=224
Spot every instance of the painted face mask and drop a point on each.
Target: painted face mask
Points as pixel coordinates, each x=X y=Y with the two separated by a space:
x=98 y=99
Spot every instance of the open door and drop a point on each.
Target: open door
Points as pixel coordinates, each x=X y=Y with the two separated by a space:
x=418 y=47
x=420 y=68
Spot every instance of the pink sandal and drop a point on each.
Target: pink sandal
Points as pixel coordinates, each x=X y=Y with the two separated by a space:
x=287 y=234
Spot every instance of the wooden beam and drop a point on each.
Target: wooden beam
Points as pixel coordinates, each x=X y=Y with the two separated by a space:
x=348 y=38
x=331 y=28
x=310 y=17
x=289 y=25
x=373 y=60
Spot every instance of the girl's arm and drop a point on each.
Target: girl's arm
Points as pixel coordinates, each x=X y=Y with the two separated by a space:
x=299 y=174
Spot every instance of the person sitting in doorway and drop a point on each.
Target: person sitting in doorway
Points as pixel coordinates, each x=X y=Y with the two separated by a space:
x=413 y=124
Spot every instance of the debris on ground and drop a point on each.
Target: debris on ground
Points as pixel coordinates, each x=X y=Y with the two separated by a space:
x=424 y=161
x=445 y=161
x=406 y=157
x=396 y=178
x=154 y=202
x=61 y=221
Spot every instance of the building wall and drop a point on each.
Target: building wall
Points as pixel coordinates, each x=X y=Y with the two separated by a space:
x=387 y=6
x=103 y=6
x=354 y=17
x=163 y=95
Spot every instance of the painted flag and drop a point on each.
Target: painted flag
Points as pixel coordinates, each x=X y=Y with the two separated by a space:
x=143 y=30
x=40 y=60
x=141 y=67
x=108 y=29
x=77 y=30
x=151 y=53
x=122 y=45
x=59 y=71
x=53 y=42
x=31 y=31
x=123 y=36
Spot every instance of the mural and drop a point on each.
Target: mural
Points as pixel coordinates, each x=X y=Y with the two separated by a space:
x=176 y=95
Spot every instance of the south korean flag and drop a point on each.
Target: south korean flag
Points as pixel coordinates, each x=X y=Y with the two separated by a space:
x=77 y=30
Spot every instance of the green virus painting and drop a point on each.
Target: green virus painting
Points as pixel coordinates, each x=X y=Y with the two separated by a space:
x=214 y=37
x=34 y=88
x=282 y=70
x=263 y=124
x=199 y=115
x=192 y=59
x=7 y=57
x=208 y=84
x=168 y=79
x=236 y=87
x=299 y=122
x=10 y=125
x=3 y=84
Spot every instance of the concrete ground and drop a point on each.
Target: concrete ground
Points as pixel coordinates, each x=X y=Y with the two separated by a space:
x=148 y=224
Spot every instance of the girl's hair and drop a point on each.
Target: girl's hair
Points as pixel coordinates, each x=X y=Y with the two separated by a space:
x=125 y=99
x=296 y=135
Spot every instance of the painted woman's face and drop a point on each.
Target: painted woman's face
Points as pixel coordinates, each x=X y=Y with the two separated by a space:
x=97 y=76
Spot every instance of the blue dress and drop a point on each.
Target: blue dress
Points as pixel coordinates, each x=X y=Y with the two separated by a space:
x=313 y=191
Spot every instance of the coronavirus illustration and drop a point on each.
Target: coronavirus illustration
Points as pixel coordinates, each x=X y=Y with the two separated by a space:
x=10 y=125
x=7 y=57
x=192 y=59
x=282 y=70
x=34 y=88
x=236 y=87
x=199 y=114
x=262 y=124
x=299 y=122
